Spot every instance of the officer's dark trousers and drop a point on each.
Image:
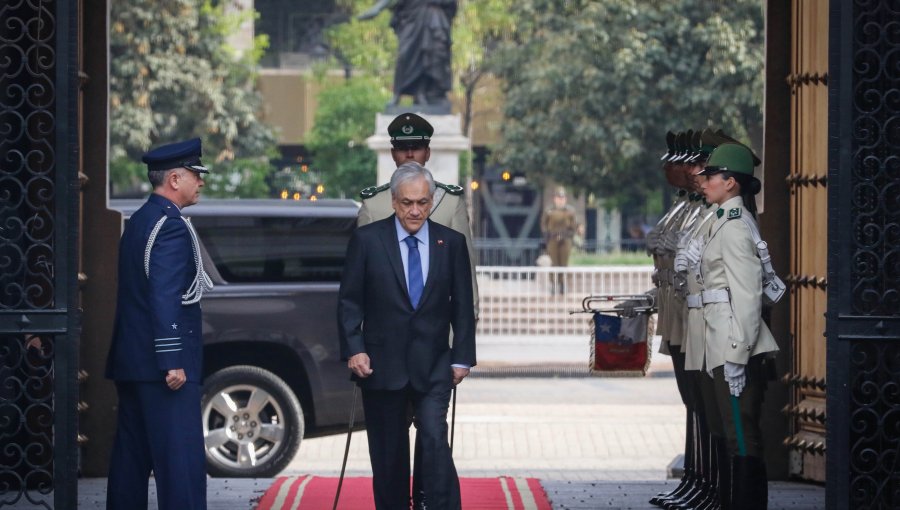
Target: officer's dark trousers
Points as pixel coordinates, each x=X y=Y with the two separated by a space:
x=749 y=409
x=387 y=428
x=159 y=430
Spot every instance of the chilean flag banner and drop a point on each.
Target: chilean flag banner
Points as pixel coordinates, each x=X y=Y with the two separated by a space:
x=620 y=344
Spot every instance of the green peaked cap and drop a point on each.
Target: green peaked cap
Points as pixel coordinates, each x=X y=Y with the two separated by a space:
x=731 y=157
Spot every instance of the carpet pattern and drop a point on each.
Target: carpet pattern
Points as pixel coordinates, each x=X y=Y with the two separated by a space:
x=317 y=493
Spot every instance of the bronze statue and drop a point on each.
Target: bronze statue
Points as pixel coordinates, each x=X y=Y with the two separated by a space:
x=423 y=50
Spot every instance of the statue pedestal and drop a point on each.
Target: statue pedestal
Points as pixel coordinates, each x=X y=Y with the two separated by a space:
x=447 y=143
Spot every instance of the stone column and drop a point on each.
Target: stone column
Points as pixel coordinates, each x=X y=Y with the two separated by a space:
x=446 y=145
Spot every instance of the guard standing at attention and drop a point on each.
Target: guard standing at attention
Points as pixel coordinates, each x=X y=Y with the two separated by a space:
x=739 y=346
x=662 y=243
x=558 y=226
x=156 y=354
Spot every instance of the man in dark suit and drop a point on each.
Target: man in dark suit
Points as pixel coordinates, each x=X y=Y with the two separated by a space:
x=406 y=283
x=156 y=353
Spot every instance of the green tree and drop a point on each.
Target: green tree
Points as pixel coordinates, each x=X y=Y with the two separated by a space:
x=591 y=87
x=344 y=119
x=172 y=76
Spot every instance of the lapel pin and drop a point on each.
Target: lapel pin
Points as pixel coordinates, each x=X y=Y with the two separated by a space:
x=440 y=242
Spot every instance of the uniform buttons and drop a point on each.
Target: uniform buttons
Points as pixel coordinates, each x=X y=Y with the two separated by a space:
x=748 y=347
x=734 y=346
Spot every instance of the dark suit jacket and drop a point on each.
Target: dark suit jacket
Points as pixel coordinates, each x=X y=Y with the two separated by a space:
x=375 y=316
x=154 y=332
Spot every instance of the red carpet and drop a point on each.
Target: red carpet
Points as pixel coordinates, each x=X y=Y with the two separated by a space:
x=317 y=493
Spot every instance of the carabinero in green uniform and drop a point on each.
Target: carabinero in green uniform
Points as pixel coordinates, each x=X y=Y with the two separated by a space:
x=739 y=347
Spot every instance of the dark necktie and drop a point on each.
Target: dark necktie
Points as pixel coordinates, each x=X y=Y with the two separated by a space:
x=414 y=271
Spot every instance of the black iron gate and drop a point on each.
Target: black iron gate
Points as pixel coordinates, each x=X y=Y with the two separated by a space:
x=863 y=319
x=38 y=235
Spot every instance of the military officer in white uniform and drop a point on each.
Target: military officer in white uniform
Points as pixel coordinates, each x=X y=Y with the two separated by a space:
x=711 y=436
x=661 y=244
x=410 y=137
x=739 y=346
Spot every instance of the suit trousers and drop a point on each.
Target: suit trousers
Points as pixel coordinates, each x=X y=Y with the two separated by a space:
x=387 y=428
x=158 y=430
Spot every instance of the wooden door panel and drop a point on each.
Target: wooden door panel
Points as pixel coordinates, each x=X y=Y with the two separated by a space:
x=809 y=166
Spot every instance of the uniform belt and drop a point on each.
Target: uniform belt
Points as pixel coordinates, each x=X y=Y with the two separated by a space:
x=715 y=296
x=694 y=300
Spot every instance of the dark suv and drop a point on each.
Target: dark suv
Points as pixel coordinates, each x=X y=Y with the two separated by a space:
x=272 y=365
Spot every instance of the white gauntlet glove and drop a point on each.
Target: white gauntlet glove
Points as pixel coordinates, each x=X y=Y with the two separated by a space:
x=736 y=378
x=652 y=240
x=689 y=256
x=669 y=243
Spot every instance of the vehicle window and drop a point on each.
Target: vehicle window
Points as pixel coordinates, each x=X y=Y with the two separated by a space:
x=254 y=249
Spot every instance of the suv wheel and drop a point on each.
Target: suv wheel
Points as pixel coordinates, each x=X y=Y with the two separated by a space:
x=252 y=423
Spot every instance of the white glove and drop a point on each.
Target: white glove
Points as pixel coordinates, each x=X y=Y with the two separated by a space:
x=689 y=257
x=681 y=261
x=669 y=241
x=652 y=240
x=736 y=378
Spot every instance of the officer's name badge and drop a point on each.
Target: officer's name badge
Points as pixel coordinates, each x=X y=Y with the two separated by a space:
x=734 y=213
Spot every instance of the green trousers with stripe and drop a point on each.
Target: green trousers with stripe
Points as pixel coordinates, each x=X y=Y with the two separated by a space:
x=749 y=406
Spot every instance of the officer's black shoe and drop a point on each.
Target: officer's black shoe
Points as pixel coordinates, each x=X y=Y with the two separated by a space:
x=687 y=481
x=687 y=501
x=749 y=486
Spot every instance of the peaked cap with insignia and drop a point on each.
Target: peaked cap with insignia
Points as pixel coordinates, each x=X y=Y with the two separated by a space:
x=184 y=154
x=409 y=129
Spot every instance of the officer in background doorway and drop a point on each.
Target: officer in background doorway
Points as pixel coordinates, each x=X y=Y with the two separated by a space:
x=156 y=355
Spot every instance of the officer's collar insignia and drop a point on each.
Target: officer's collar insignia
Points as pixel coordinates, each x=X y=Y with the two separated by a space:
x=719 y=212
x=734 y=213
x=407 y=129
x=682 y=192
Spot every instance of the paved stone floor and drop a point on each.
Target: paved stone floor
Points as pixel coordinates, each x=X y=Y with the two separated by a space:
x=595 y=443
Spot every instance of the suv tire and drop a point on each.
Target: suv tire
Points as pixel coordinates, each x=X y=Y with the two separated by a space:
x=252 y=423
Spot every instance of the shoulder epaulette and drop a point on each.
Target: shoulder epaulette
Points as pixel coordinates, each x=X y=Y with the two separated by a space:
x=453 y=189
x=371 y=191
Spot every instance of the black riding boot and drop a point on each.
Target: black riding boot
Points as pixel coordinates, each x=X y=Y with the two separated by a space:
x=687 y=478
x=700 y=491
x=749 y=486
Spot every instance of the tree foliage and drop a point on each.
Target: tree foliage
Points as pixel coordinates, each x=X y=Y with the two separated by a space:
x=592 y=86
x=344 y=119
x=172 y=77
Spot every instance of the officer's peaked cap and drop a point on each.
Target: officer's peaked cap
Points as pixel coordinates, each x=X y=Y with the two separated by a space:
x=730 y=157
x=184 y=154
x=410 y=129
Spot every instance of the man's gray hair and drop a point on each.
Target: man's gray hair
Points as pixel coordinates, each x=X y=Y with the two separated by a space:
x=157 y=177
x=410 y=171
